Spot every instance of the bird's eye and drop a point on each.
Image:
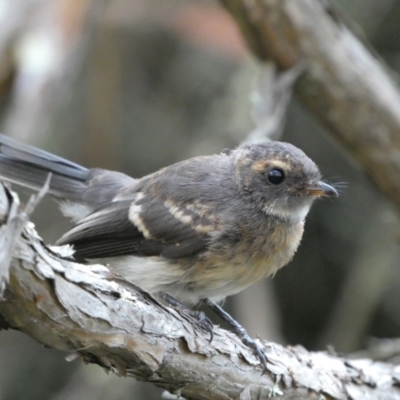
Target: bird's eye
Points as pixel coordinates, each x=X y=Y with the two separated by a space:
x=276 y=176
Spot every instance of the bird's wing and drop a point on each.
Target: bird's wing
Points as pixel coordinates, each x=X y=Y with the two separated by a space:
x=144 y=226
x=171 y=213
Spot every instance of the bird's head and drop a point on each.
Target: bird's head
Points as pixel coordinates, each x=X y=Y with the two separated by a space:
x=279 y=178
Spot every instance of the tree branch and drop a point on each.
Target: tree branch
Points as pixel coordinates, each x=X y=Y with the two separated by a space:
x=102 y=319
x=344 y=84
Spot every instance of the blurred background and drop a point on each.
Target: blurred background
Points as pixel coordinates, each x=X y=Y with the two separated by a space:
x=134 y=85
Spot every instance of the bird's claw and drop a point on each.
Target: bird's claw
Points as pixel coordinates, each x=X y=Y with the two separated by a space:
x=204 y=322
x=257 y=351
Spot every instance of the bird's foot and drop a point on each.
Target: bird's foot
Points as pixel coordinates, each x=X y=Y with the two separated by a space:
x=203 y=321
x=241 y=333
x=257 y=350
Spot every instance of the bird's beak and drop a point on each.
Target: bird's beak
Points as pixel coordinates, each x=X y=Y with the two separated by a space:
x=322 y=189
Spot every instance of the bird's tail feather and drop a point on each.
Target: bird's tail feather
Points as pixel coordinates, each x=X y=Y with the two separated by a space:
x=29 y=167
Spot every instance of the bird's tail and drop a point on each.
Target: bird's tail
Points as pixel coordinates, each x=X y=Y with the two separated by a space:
x=30 y=167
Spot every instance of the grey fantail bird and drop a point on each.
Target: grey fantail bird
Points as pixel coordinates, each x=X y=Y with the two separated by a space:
x=204 y=228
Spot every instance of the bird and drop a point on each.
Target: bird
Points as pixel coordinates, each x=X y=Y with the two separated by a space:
x=198 y=230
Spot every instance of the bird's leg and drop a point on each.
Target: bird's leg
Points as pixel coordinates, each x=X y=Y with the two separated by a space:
x=199 y=316
x=240 y=332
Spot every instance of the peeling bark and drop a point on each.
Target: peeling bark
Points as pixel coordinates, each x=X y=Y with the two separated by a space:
x=97 y=316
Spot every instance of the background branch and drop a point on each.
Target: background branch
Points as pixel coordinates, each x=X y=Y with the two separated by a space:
x=344 y=83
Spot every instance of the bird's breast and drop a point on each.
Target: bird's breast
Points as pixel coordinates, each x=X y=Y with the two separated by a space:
x=228 y=269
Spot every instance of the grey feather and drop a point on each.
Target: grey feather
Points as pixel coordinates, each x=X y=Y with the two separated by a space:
x=29 y=167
